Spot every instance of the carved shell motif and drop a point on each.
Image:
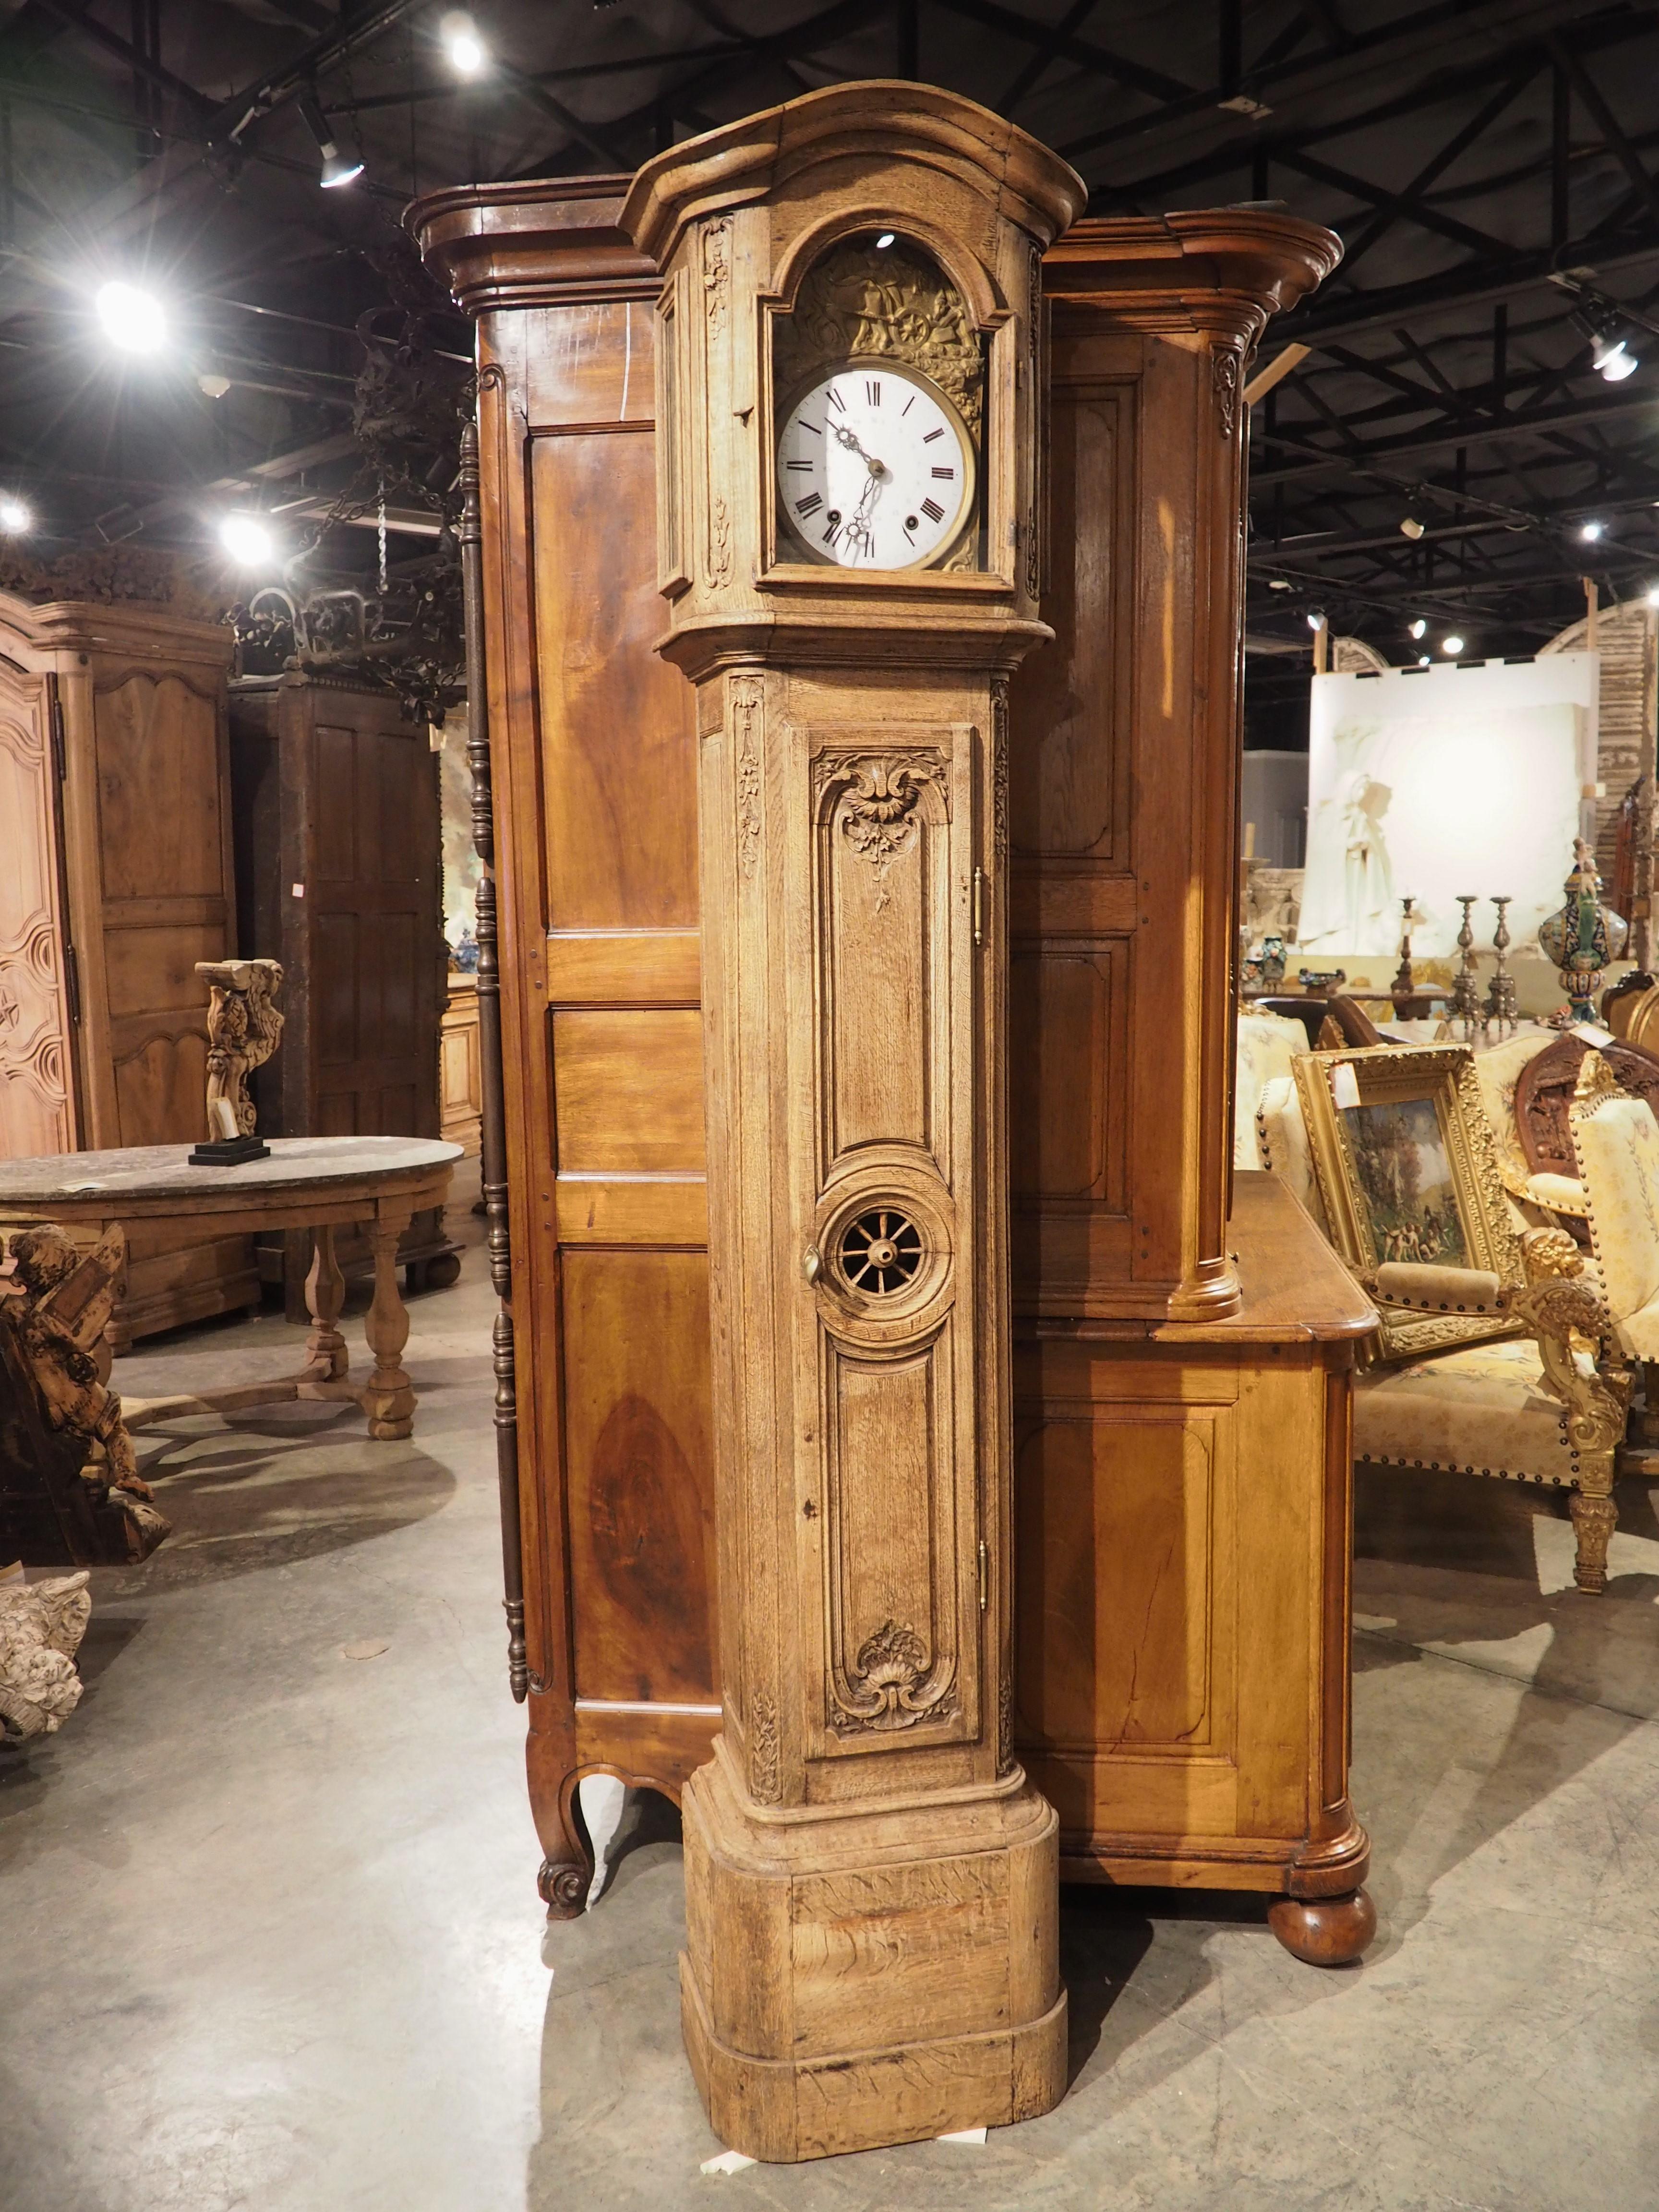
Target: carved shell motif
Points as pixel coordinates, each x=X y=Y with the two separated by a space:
x=887 y=1686
x=878 y=814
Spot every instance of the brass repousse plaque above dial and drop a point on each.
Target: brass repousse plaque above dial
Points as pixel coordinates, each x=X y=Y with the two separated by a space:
x=879 y=377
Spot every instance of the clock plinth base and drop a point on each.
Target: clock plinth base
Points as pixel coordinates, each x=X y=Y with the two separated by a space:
x=854 y=1979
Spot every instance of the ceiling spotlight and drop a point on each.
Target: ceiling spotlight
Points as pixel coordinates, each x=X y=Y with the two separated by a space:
x=14 y=515
x=216 y=386
x=467 y=54
x=338 y=169
x=1423 y=660
x=1411 y=527
x=1419 y=628
x=1592 y=531
x=1653 y=595
x=1316 y=618
x=1610 y=335
x=1282 y=583
x=134 y=320
x=246 y=540
x=1454 y=644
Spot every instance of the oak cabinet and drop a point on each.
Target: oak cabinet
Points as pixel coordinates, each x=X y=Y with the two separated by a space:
x=335 y=810
x=460 y=1068
x=114 y=798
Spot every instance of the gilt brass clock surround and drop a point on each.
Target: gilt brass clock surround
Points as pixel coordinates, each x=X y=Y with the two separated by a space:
x=871 y=1881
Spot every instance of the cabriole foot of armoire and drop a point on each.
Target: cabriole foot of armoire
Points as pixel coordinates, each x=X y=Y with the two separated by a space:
x=1324 y=1931
x=563 y=1886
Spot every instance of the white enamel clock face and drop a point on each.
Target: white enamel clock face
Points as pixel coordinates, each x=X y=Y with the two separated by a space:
x=875 y=468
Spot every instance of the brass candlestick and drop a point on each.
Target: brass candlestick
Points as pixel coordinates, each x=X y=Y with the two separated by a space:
x=1465 y=1002
x=1404 y=987
x=1501 y=1007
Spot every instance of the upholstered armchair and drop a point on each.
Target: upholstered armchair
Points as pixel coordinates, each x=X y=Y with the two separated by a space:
x=1267 y=1045
x=1615 y=1140
x=1547 y=1407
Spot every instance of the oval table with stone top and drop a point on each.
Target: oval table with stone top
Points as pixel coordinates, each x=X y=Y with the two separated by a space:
x=319 y=1183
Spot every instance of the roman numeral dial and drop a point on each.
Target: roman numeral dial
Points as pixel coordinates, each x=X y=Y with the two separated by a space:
x=875 y=469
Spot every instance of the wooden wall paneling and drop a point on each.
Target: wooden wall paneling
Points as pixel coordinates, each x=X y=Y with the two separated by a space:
x=1182 y=1354
x=335 y=800
x=144 y=890
x=591 y=754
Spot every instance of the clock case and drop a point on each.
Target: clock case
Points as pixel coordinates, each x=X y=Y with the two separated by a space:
x=871 y=1881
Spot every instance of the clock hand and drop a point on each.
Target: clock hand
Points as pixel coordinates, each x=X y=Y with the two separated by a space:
x=848 y=440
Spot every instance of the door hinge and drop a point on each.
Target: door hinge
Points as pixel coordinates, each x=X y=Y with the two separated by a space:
x=984 y=1577
x=72 y=982
x=60 y=751
x=979 y=906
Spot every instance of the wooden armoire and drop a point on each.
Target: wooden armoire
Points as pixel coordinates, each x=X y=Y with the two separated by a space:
x=113 y=794
x=592 y=746
x=334 y=795
x=1181 y=1349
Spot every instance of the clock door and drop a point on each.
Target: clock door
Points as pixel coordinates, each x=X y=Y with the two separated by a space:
x=887 y=1136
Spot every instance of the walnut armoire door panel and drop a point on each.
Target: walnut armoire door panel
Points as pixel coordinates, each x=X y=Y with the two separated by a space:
x=637 y=1415
x=620 y=816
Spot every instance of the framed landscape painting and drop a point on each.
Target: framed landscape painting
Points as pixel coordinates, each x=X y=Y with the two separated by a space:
x=1409 y=1174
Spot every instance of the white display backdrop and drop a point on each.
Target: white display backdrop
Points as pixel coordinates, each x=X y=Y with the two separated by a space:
x=1464 y=776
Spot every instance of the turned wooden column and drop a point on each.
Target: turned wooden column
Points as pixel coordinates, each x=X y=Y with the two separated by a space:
x=846 y=497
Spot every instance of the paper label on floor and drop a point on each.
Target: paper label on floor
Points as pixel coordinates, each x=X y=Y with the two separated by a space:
x=963 y=2134
x=729 y=2161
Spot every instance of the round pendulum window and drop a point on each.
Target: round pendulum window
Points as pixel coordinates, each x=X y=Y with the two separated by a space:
x=881 y=1251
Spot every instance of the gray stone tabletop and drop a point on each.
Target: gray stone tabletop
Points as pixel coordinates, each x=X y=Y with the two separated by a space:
x=165 y=1171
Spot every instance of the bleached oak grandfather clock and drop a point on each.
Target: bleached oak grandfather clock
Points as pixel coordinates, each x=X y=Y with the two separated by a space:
x=848 y=365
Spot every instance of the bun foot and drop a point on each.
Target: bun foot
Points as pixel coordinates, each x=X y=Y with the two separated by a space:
x=1324 y=1931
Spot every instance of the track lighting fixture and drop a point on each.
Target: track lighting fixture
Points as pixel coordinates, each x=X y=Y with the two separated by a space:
x=1411 y=527
x=338 y=169
x=1592 y=531
x=1452 y=645
x=1316 y=618
x=1612 y=337
x=14 y=516
x=1419 y=628
x=1653 y=595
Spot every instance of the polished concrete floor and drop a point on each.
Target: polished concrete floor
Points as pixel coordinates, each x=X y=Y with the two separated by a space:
x=269 y=1937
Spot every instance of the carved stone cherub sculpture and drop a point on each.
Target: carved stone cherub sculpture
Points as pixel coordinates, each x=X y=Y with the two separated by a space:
x=42 y=1624
x=245 y=1027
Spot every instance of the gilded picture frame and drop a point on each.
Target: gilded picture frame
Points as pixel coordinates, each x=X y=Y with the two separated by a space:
x=1408 y=1170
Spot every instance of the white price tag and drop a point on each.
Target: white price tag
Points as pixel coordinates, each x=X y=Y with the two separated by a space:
x=1344 y=1084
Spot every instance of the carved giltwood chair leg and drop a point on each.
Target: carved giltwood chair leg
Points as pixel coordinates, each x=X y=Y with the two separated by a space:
x=388 y=1396
x=1594 y=1517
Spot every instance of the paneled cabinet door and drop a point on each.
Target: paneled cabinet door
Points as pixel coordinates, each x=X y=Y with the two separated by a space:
x=37 y=1043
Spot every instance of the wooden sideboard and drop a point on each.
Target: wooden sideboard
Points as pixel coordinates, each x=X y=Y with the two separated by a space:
x=593 y=756
x=114 y=792
x=334 y=798
x=1181 y=1381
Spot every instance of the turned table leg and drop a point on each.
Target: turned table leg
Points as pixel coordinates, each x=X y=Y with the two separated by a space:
x=326 y=1356
x=388 y=1398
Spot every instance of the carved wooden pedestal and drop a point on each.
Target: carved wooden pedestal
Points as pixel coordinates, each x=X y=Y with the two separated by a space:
x=871 y=1935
